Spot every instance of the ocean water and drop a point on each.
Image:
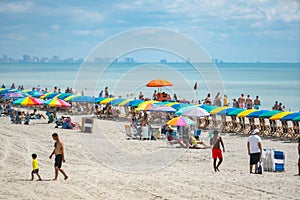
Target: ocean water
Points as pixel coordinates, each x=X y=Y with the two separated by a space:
x=270 y=81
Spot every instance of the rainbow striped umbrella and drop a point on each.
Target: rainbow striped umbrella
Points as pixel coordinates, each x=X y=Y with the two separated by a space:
x=63 y=95
x=123 y=103
x=107 y=100
x=29 y=101
x=55 y=102
x=257 y=113
x=49 y=95
x=180 y=121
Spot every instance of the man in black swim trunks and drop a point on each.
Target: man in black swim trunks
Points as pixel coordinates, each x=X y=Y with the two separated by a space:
x=59 y=156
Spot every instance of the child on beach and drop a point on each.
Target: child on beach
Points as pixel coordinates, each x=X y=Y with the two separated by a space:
x=35 y=166
x=215 y=142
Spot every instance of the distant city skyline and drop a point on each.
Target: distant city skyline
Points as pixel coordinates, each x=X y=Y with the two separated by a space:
x=234 y=31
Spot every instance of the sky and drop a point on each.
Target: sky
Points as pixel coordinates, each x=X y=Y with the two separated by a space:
x=230 y=30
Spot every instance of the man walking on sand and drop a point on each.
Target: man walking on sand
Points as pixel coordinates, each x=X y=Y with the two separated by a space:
x=254 y=149
x=59 y=156
x=216 y=142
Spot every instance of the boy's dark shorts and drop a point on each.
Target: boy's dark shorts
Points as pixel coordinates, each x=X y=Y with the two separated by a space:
x=35 y=171
x=58 y=161
x=254 y=158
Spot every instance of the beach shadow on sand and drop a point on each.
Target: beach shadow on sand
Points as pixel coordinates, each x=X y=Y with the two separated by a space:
x=29 y=180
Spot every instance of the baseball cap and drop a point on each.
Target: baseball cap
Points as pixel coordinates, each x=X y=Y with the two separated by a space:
x=255 y=131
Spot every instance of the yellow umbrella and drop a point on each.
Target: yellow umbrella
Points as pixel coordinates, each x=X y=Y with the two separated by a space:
x=69 y=97
x=172 y=103
x=124 y=102
x=219 y=109
x=246 y=112
x=279 y=115
x=107 y=100
x=144 y=107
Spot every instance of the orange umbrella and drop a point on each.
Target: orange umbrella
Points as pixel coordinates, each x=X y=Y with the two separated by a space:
x=159 y=83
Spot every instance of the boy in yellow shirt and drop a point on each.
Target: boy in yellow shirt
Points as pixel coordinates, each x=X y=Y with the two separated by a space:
x=35 y=166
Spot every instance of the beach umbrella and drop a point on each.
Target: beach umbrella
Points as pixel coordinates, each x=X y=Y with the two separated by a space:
x=226 y=111
x=162 y=108
x=124 y=102
x=171 y=103
x=159 y=83
x=144 y=107
x=98 y=99
x=106 y=100
x=55 y=102
x=49 y=95
x=290 y=116
x=296 y=119
x=278 y=116
x=269 y=114
x=192 y=111
x=86 y=99
x=218 y=109
x=134 y=103
x=180 y=121
x=116 y=102
x=208 y=108
x=181 y=105
x=235 y=112
x=257 y=113
x=246 y=112
x=29 y=101
x=35 y=93
x=13 y=95
x=63 y=95
x=147 y=102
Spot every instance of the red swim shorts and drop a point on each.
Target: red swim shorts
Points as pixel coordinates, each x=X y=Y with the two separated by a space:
x=217 y=153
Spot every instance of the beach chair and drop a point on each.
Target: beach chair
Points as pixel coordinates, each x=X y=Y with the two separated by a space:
x=197 y=133
x=146 y=133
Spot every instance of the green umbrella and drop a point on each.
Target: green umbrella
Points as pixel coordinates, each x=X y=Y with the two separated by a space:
x=269 y=114
x=235 y=112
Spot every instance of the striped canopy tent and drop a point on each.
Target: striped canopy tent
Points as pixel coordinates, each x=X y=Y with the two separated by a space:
x=246 y=112
x=278 y=116
x=257 y=113
x=290 y=116
x=269 y=114
x=235 y=112
x=218 y=109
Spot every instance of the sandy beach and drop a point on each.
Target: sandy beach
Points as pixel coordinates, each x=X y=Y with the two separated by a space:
x=188 y=176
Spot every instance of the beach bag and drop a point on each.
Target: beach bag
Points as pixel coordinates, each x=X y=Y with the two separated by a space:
x=260 y=168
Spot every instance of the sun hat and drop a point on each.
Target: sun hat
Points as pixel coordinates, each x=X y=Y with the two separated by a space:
x=255 y=131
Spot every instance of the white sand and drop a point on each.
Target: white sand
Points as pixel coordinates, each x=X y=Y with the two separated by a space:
x=102 y=167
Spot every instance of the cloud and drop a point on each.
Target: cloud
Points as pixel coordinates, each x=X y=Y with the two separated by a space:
x=99 y=32
x=17 y=7
x=16 y=36
x=55 y=27
x=84 y=15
